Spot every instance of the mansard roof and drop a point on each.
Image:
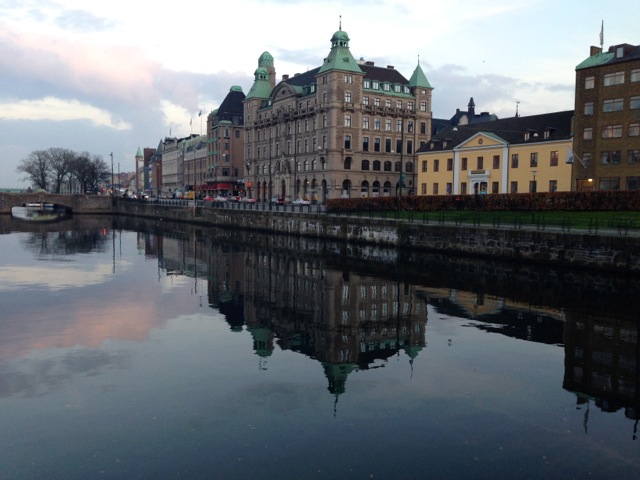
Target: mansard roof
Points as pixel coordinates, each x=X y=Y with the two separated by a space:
x=512 y=130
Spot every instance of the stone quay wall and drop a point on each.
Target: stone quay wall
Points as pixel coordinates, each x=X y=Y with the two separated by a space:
x=602 y=251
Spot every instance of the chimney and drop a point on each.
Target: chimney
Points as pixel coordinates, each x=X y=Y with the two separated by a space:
x=285 y=77
x=594 y=51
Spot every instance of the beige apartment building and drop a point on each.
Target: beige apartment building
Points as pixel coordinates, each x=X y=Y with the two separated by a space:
x=344 y=129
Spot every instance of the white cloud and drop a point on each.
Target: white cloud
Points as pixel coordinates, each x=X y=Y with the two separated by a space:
x=50 y=108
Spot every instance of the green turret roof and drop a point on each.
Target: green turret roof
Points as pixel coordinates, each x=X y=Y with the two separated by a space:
x=261 y=87
x=418 y=78
x=139 y=153
x=340 y=57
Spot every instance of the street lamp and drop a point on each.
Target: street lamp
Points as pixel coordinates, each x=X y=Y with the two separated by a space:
x=112 y=192
x=534 y=185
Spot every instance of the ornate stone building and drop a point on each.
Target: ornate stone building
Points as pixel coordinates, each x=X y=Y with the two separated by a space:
x=345 y=129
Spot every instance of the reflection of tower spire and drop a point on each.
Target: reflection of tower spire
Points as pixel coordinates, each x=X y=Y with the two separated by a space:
x=337 y=374
x=262 y=344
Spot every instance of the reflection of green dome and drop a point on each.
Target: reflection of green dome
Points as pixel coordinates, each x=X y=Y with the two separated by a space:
x=337 y=375
x=261 y=341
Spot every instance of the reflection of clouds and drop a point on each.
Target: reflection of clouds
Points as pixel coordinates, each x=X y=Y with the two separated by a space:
x=32 y=377
x=14 y=277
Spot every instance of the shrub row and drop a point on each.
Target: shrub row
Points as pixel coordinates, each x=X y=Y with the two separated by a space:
x=600 y=201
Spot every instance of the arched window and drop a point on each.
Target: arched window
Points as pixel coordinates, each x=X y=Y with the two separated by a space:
x=386 y=189
x=387 y=166
x=346 y=189
x=375 y=190
x=408 y=167
x=364 y=189
x=347 y=163
x=376 y=165
x=398 y=167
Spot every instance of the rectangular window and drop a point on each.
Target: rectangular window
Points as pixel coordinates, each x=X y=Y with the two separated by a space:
x=635 y=75
x=588 y=108
x=587 y=133
x=633 y=183
x=410 y=146
x=611 y=157
x=399 y=145
x=376 y=124
x=634 y=103
x=387 y=145
x=609 y=183
x=553 y=185
x=612 y=131
x=449 y=164
x=553 y=159
x=611 y=79
x=514 y=187
x=613 y=105
x=496 y=162
x=514 y=160
x=463 y=188
x=449 y=188
x=495 y=187
x=533 y=162
x=589 y=83
x=633 y=156
x=424 y=165
x=367 y=84
x=386 y=87
x=423 y=188
x=634 y=129
x=365 y=144
x=387 y=125
x=423 y=128
x=480 y=163
x=348 y=79
x=436 y=165
x=347 y=142
x=365 y=123
x=347 y=120
x=365 y=100
x=423 y=106
x=376 y=102
x=435 y=189
x=398 y=103
x=410 y=106
x=376 y=145
x=463 y=163
x=347 y=97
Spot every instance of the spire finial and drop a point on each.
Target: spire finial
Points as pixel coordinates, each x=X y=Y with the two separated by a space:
x=340 y=24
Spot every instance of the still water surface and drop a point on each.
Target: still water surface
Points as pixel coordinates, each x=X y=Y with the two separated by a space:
x=141 y=350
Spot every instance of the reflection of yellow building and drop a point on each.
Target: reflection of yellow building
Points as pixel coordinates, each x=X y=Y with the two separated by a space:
x=513 y=155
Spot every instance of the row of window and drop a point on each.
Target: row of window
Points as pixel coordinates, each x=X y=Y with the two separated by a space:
x=482 y=187
x=515 y=162
x=612 y=131
x=376 y=85
x=614 y=157
x=613 y=183
x=377 y=145
x=376 y=164
x=611 y=79
x=613 y=105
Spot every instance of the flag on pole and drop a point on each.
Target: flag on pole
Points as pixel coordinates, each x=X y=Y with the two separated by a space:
x=570 y=155
x=602 y=35
x=200 y=114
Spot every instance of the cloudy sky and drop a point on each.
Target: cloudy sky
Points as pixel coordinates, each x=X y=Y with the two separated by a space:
x=113 y=76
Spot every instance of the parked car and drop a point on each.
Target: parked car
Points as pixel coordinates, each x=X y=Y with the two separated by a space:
x=221 y=198
x=208 y=198
x=235 y=198
x=277 y=200
x=248 y=200
x=301 y=201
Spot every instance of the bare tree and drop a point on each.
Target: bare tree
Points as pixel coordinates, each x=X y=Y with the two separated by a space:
x=60 y=161
x=36 y=169
x=88 y=171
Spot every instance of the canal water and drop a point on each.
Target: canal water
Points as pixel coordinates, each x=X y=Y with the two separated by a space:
x=136 y=349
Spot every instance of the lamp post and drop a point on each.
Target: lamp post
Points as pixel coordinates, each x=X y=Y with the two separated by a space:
x=534 y=186
x=270 y=190
x=112 y=192
x=401 y=179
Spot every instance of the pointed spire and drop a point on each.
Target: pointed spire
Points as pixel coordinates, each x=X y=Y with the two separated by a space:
x=418 y=78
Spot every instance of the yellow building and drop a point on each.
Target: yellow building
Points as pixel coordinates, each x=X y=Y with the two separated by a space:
x=512 y=155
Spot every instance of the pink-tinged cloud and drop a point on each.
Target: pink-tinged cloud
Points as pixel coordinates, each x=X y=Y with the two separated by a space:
x=118 y=73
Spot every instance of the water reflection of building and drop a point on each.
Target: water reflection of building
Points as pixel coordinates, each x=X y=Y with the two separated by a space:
x=601 y=363
x=347 y=322
x=500 y=315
